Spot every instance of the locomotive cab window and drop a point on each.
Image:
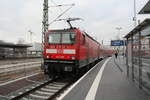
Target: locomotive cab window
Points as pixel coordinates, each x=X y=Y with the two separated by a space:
x=62 y=38
x=68 y=38
x=54 y=37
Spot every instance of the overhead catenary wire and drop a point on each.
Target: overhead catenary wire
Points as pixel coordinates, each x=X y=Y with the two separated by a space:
x=61 y=6
x=61 y=14
x=56 y=5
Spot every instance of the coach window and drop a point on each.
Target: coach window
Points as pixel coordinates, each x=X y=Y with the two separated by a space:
x=83 y=40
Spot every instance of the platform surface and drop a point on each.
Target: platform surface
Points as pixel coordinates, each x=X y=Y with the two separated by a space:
x=114 y=85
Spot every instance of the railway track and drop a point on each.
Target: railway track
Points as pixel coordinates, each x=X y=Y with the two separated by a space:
x=18 y=61
x=14 y=69
x=43 y=91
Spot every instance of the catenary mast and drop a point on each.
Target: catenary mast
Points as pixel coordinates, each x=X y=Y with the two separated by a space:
x=45 y=22
x=45 y=26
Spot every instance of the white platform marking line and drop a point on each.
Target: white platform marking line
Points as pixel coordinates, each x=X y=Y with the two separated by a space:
x=18 y=79
x=69 y=89
x=92 y=92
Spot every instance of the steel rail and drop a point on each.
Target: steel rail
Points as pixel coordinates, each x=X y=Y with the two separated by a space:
x=53 y=89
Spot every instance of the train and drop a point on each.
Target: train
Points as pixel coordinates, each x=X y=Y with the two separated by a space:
x=70 y=50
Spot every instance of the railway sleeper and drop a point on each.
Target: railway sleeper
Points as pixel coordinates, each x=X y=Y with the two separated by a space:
x=59 y=83
x=51 y=87
x=56 y=85
x=48 y=90
x=36 y=97
x=44 y=92
x=39 y=96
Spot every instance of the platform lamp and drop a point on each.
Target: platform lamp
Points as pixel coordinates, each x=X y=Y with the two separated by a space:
x=31 y=34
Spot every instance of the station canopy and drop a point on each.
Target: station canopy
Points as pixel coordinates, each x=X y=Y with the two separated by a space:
x=146 y=9
x=141 y=26
x=11 y=45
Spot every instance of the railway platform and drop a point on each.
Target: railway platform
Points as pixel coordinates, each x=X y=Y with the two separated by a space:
x=106 y=81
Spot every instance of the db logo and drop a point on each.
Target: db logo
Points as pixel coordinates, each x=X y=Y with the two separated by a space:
x=59 y=51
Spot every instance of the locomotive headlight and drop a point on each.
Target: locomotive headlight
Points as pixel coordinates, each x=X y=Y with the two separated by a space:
x=47 y=56
x=73 y=57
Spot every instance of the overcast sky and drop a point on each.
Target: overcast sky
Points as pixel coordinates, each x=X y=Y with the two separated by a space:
x=101 y=17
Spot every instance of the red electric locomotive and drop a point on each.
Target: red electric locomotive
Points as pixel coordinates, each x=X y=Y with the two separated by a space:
x=69 y=50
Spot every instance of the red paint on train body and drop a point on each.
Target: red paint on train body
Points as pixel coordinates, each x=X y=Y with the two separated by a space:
x=70 y=50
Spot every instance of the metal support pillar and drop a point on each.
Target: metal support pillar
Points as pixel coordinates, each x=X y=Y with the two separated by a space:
x=45 y=25
x=140 y=64
x=127 y=58
x=132 y=58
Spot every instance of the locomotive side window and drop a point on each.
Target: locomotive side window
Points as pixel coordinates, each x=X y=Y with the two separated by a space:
x=54 y=37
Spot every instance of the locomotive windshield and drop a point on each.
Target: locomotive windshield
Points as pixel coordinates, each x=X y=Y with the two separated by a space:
x=54 y=38
x=62 y=38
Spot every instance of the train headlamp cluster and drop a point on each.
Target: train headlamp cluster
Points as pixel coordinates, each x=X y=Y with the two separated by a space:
x=47 y=56
x=69 y=57
x=73 y=57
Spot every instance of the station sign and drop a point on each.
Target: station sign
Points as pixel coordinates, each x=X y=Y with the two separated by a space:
x=118 y=43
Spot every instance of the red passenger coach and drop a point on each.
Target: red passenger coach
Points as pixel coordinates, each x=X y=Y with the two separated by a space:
x=106 y=51
x=69 y=50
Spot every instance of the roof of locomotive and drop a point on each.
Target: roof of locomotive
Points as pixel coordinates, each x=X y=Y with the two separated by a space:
x=64 y=30
x=91 y=38
x=73 y=29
